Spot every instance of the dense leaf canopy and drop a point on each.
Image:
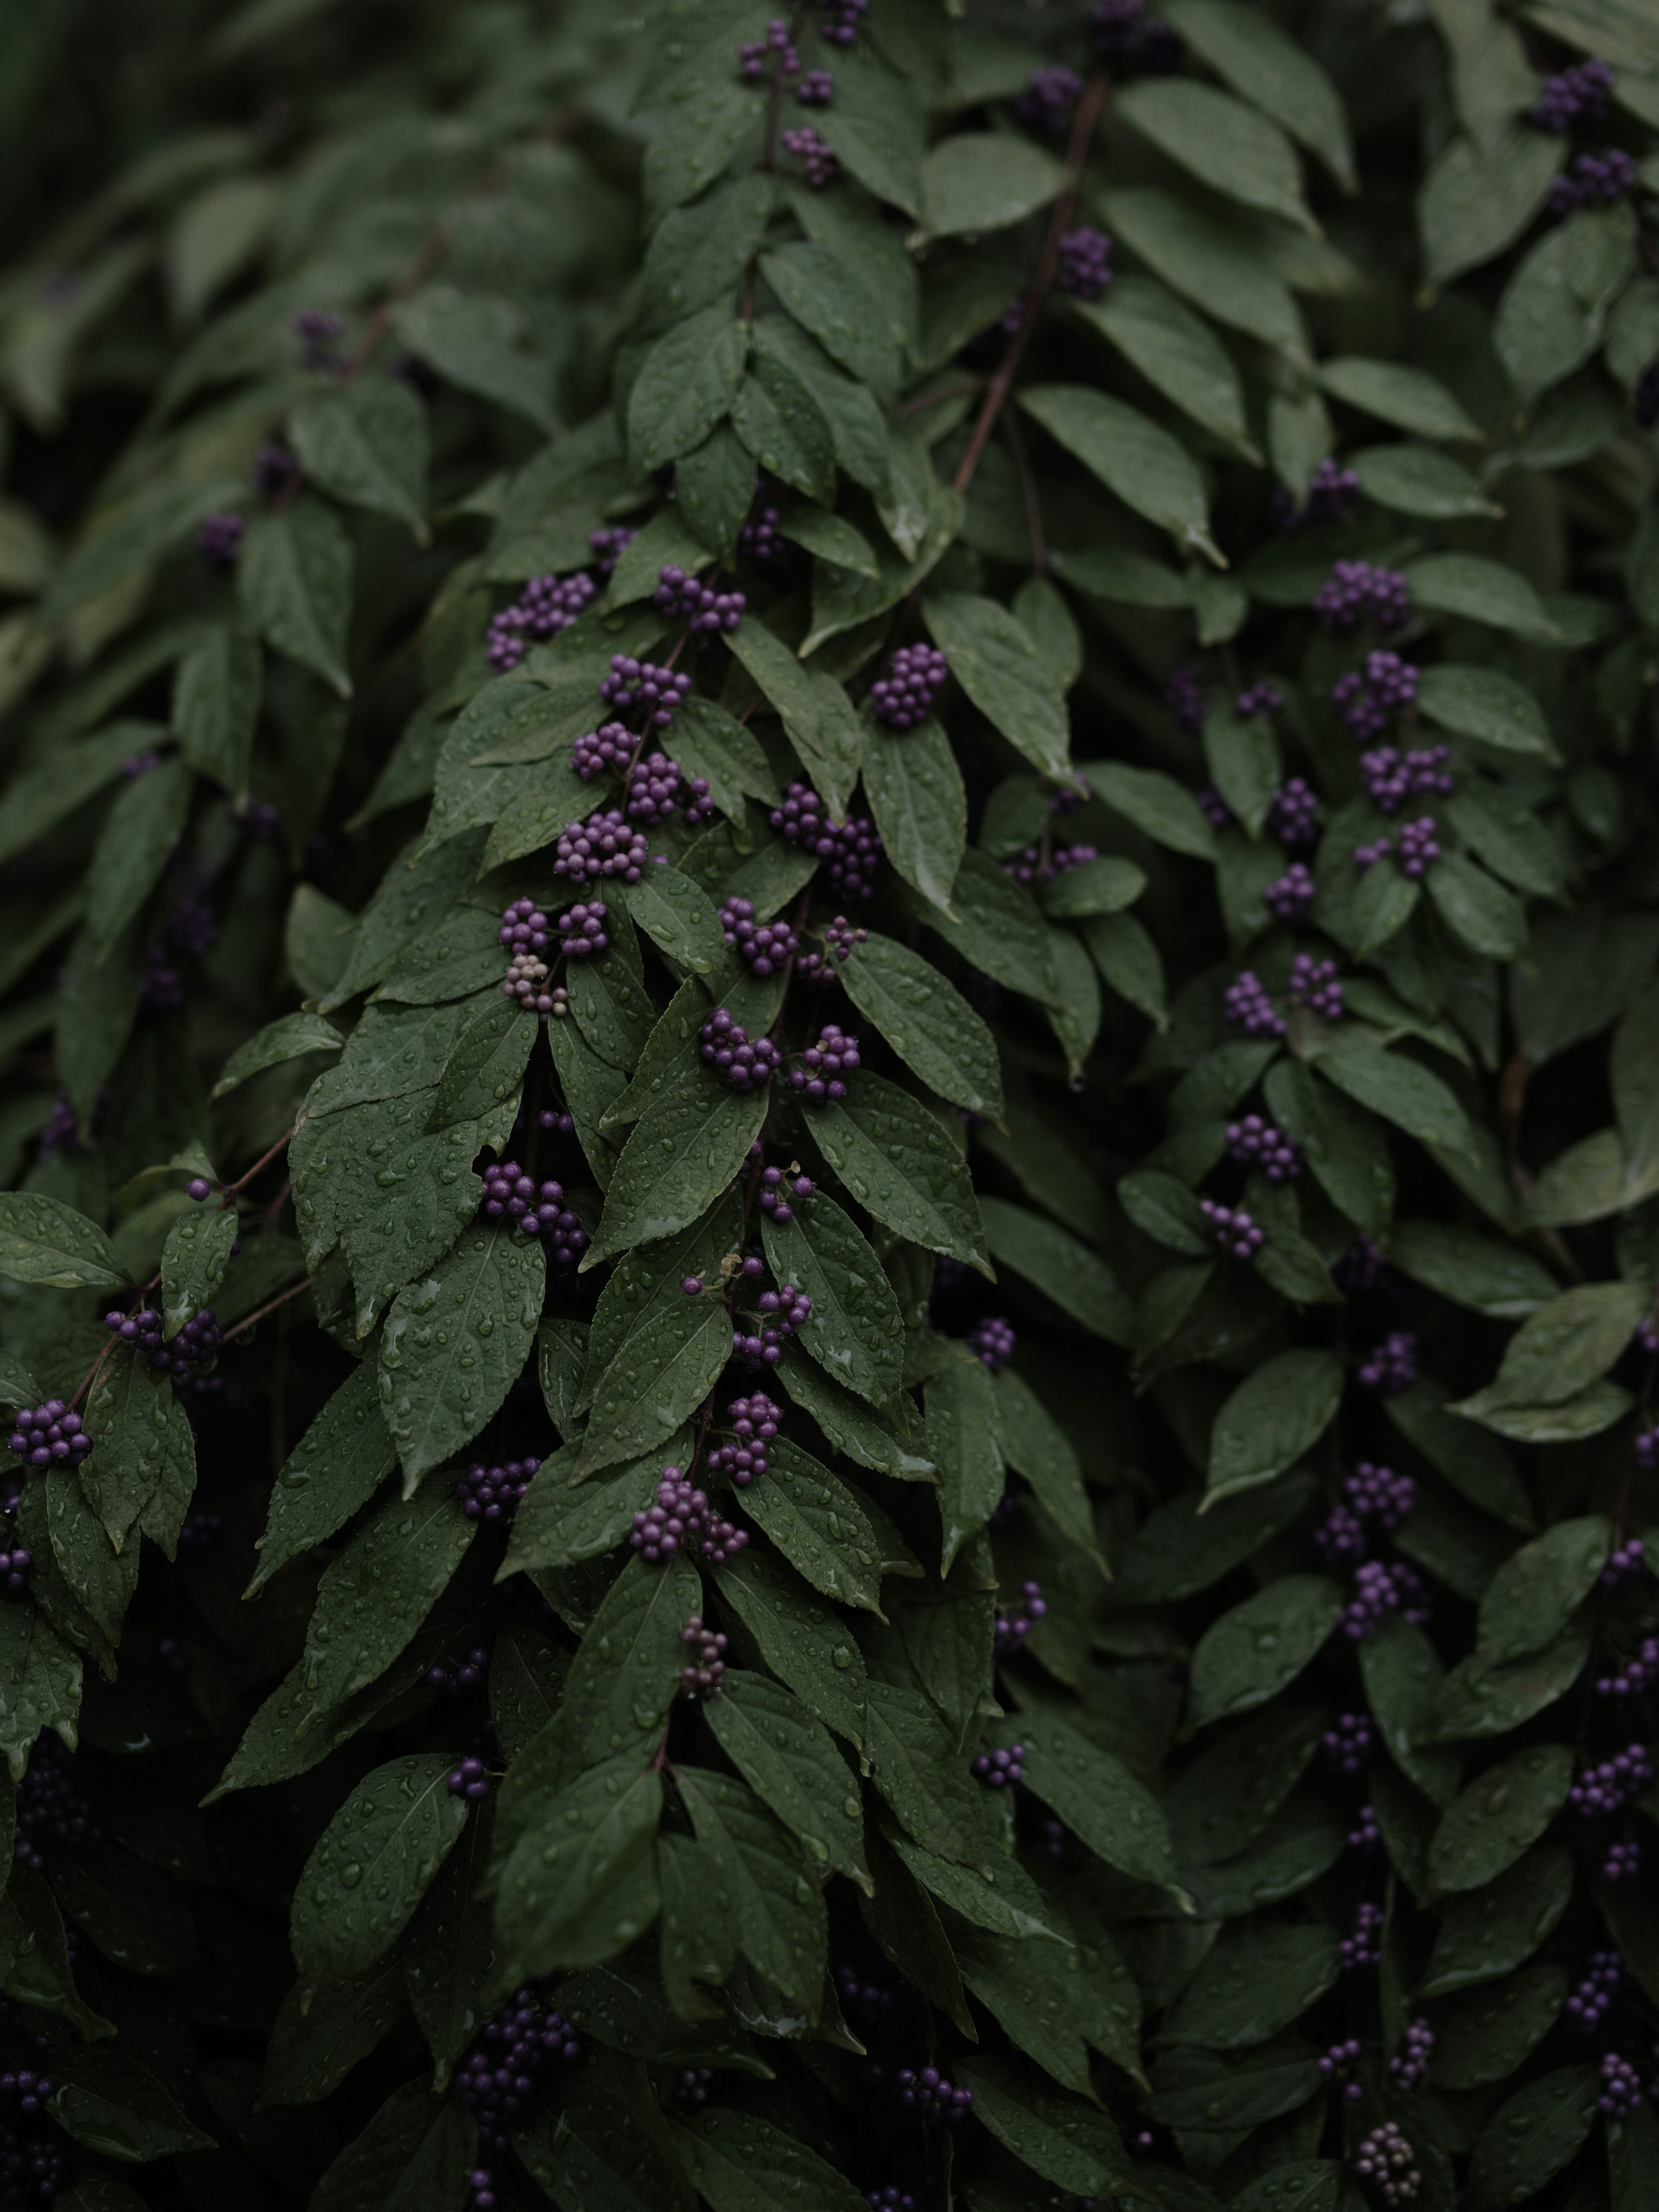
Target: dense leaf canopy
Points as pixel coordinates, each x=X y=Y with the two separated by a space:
x=829 y=1105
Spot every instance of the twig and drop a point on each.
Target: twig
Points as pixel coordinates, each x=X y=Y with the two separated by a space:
x=768 y=159
x=231 y=1189
x=1016 y=439
x=281 y=1299
x=1082 y=126
x=938 y=398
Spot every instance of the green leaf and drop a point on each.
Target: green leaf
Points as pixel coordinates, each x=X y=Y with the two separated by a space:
x=791 y=1763
x=1248 y=1654
x=1224 y=144
x=983 y=181
x=743 y=2164
x=1478 y=702
x=805 y=1644
x=1077 y=1280
x=1001 y=930
x=1268 y=67
x=1258 y=1979
x=1480 y=591
x=898 y=1162
x=993 y=657
x=610 y=2147
x=1482 y=1699
x=44 y=1241
x=193 y=1262
x=781 y=1924
x=963 y=1432
x=708 y=741
x=368 y=444
x=1471 y=1270
x=378 y=1591
x=1481 y=915
x=556 y=1527
x=826 y=297
x=313 y=2049
x=915 y=792
x=819 y=1525
x=1474 y=202
x=687 y=384
x=111 y=2104
x=1474 y=1463
x=290 y=1037
x=294 y=579
x=1129 y=959
x=332 y=1471
x=1563 y=1347
x=627 y=1673
x=1164 y=810
x=1532 y=2136
x=456 y=1342
x=1178 y=353
x=1270 y=1420
x=1409 y=398
x=1551 y=317
x=1130 y=455
x=1402 y=1091
x=816 y=715
x=39 y=1684
x=1345 y=1149
x=372 y=1865
x=1404 y=1681
x=1036 y=1446
x=1489 y=2037
x=46 y=791
x=1498 y=1928
x=947 y=1045
x=581 y=1882
x=1098 y=1799
x=140 y=831
x=1537 y=1591
x=144 y=1466
x=1228 y=1796
x=696 y=254
x=485 y=1068
x=854 y=1332
x=914 y=1757
x=1416 y=480
x=414 y=2154
x=472 y=340
x=103 y=1580
x=1074 y=2145
x=684 y=1151
x=678 y=917
x=669 y=1363
x=1093 y=887
x=1208 y=259
x=1499 y=1817
x=1188 y=1543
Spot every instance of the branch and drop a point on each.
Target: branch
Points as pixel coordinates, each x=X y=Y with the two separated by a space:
x=1083 y=127
x=281 y=1299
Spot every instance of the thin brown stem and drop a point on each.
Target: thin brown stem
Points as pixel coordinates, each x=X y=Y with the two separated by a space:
x=1016 y=438
x=281 y=1299
x=927 y=399
x=768 y=159
x=432 y=250
x=1082 y=128
x=272 y=1213
x=92 y=1375
x=265 y=1159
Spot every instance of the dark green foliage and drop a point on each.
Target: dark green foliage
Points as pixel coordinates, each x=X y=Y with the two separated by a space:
x=1166 y=1675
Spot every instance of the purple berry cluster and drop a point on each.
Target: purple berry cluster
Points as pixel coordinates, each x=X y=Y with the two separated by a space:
x=196 y=1345
x=704 y=610
x=1357 y=590
x=1049 y=99
x=925 y=2089
x=1364 y=1946
x=198 y=1536
x=705 y=1667
x=1293 y=817
x=1365 y=1835
x=1391 y=777
x=50 y=1809
x=1233 y=1230
x=820 y=1073
x=725 y=1045
x=604 y=845
x=1573 y=95
x=319 y=333
x=1332 y=493
x=494 y=1494
x=849 y=853
x=778 y=1313
x=753 y=56
x=1290 y=896
x=219 y=541
x=1411 y=2063
x=1600 y=1986
x=1248 y=1003
x=1626 y=1563
x=274 y=470
x=764 y=947
x=1345 y=1747
x=1337 y=2067
x=1367 y=695
x=892 y=2198
x=1603 y=1790
x=470 y=1780
x=691 y=2090
x=534 y=1209
x=1624 y=1860
x=15 y=1559
x=814 y=156
x=1001 y=1769
x=581 y=929
x=816 y=89
x=904 y=696
x=682 y=1519
x=547 y=605
x=1034 y=866
x=658 y=785
x=992 y=1342
x=525 y=932
x=1362 y=1266
x=32 y=2090
x=1184 y=695
x=62 y=1131
x=1621 y=2088
x=49 y=1436
x=750 y=1425
x=641 y=687
x=497 y=2080
x=462 y=1678
x=1390 y=1366
x=1084 y=269
x=1384 y=2158
x=841 y=18
x=608 y=546
x=869 y=2000
x=1214 y=807
x=32 y=2167
x=1635 y=1677
x=1593 y=180
x=1380 y=1588
x=760 y=538
x=1378 y=1493
x=1260 y=1145
x=839 y=936
x=1339 y=1539
x=1260 y=699
x=780 y=1189
x=1014 y=1628
x=1123 y=33
x=607 y=750
x=1313 y=985
x=161 y=987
